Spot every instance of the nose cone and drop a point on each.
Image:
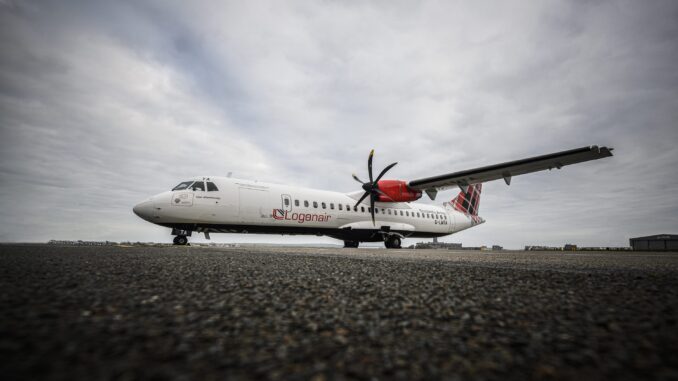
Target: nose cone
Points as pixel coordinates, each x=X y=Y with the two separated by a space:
x=144 y=209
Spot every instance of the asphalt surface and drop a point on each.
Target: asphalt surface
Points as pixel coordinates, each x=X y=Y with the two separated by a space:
x=322 y=314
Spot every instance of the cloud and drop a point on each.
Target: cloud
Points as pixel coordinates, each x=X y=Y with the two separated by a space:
x=103 y=104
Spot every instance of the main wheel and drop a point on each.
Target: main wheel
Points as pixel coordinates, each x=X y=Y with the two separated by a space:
x=392 y=242
x=180 y=240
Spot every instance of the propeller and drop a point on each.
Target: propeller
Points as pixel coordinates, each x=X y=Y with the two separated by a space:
x=371 y=188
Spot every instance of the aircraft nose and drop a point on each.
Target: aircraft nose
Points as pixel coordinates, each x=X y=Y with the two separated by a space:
x=144 y=209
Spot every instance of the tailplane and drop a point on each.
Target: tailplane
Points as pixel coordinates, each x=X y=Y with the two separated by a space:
x=468 y=202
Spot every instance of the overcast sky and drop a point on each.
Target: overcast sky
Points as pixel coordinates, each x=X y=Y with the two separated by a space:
x=105 y=103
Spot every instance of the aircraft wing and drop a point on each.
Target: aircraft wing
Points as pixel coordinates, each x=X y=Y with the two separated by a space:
x=462 y=179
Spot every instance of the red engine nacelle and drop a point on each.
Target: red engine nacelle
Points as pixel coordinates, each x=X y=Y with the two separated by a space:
x=397 y=191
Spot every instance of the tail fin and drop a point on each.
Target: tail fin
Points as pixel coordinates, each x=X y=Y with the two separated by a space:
x=468 y=202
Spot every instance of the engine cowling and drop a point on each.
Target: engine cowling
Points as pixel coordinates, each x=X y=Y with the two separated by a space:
x=397 y=191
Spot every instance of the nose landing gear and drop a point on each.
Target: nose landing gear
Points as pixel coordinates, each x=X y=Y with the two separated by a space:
x=181 y=236
x=180 y=240
x=351 y=243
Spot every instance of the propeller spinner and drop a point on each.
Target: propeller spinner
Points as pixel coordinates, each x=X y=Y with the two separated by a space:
x=371 y=188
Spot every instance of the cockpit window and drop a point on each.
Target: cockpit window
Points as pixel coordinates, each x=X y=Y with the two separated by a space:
x=198 y=186
x=211 y=187
x=182 y=186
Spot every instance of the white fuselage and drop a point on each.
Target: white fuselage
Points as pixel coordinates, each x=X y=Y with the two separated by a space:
x=240 y=206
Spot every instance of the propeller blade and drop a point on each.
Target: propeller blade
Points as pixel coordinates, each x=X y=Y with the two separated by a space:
x=384 y=172
x=372 y=209
x=362 y=198
x=357 y=179
x=369 y=164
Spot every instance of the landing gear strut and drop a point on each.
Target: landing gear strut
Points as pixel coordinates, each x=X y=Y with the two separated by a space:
x=392 y=242
x=351 y=243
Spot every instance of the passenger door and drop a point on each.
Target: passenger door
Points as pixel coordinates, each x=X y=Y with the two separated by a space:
x=286 y=202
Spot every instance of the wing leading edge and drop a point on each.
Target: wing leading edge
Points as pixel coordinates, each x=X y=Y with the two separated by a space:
x=463 y=179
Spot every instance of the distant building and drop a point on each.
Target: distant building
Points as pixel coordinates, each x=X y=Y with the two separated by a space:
x=497 y=248
x=655 y=242
x=542 y=248
x=438 y=245
x=570 y=247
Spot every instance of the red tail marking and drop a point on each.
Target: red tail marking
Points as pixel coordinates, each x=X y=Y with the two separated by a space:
x=468 y=202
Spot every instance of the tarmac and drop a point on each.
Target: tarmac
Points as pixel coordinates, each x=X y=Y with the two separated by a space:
x=186 y=313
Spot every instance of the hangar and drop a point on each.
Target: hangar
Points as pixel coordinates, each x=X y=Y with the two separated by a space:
x=655 y=242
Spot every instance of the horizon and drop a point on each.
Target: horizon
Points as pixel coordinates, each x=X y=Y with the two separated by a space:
x=104 y=104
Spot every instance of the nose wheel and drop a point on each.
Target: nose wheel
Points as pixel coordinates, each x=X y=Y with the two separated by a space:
x=180 y=240
x=351 y=243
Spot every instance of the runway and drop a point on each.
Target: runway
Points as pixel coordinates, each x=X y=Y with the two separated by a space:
x=326 y=314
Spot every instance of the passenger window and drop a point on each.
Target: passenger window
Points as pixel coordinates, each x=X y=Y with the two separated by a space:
x=315 y=204
x=348 y=207
x=296 y=202
x=287 y=202
x=362 y=209
x=331 y=205
x=341 y=206
x=306 y=203
x=376 y=210
x=407 y=214
x=323 y=205
x=389 y=211
x=401 y=212
x=198 y=186
x=355 y=208
x=211 y=187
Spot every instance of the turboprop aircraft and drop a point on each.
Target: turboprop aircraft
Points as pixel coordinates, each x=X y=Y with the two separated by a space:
x=382 y=211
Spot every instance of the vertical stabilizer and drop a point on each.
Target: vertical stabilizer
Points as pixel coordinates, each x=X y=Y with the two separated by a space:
x=468 y=202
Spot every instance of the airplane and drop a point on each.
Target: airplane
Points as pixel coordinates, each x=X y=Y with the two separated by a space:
x=383 y=211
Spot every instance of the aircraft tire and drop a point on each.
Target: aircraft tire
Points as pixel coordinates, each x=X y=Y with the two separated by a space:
x=392 y=242
x=180 y=240
x=352 y=244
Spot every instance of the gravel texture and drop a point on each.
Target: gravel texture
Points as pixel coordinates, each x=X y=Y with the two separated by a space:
x=323 y=314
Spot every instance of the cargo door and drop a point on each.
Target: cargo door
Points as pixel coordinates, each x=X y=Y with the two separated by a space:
x=252 y=203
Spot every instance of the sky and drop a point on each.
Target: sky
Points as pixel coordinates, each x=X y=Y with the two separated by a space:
x=103 y=104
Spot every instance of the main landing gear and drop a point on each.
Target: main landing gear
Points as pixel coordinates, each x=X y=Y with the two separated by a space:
x=392 y=242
